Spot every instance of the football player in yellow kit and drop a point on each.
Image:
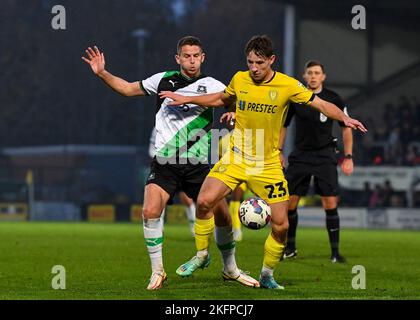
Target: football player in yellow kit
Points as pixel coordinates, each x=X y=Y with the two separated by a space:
x=262 y=96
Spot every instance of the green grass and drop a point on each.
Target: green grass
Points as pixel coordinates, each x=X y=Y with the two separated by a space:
x=110 y=261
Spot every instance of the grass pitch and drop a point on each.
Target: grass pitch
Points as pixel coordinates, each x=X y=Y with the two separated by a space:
x=110 y=261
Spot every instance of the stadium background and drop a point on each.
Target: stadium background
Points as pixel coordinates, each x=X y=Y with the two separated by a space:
x=73 y=150
x=78 y=143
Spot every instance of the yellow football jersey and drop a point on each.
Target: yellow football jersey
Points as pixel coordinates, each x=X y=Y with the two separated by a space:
x=261 y=110
x=224 y=143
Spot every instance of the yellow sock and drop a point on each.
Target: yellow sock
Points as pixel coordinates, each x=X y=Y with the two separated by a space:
x=203 y=232
x=273 y=251
x=234 y=213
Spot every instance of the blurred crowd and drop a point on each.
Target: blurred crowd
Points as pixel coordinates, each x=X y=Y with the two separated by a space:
x=394 y=137
x=379 y=195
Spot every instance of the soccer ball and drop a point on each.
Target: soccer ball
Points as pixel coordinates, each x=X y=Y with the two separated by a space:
x=254 y=213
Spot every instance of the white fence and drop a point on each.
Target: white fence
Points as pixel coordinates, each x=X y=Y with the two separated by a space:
x=364 y=218
x=406 y=179
x=402 y=178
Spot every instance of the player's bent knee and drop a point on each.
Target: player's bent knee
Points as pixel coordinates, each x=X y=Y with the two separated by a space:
x=204 y=204
x=150 y=213
x=280 y=230
x=329 y=202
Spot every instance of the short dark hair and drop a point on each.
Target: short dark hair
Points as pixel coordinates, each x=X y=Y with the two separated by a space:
x=261 y=45
x=188 y=41
x=313 y=63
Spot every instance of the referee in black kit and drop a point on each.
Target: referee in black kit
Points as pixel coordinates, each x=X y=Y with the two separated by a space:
x=315 y=155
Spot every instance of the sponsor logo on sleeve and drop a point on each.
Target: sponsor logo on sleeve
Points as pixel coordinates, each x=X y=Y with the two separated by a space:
x=202 y=89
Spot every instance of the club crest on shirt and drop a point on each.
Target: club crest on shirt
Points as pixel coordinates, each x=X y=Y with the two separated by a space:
x=322 y=117
x=202 y=89
x=273 y=95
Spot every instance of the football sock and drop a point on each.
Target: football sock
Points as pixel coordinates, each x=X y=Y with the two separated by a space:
x=291 y=232
x=333 y=227
x=267 y=272
x=226 y=245
x=234 y=213
x=236 y=223
x=190 y=212
x=273 y=250
x=203 y=232
x=154 y=241
x=162 y=218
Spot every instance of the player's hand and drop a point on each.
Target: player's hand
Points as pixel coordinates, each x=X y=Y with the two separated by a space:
x=95 y=59
x=229 y=118
x=177 y=99
x=354 y=124
x=347 y=166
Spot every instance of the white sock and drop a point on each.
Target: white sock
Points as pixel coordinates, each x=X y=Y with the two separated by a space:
x=226 y=245
x=190 y=212
x=267 y=272
x=162 y=218
x=153 y=236
x=237 y=233
x=202 y=254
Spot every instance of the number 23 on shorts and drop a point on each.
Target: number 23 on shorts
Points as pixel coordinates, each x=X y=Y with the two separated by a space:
x=277 y=190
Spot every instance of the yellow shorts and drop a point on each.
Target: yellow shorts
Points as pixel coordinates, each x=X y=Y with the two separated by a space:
x=265 y=180
x=243 y=186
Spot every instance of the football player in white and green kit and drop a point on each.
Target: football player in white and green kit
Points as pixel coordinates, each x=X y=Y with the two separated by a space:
x=181 y=160
x=185 y=200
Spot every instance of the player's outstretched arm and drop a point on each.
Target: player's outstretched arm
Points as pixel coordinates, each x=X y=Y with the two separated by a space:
x=96 y=60
x=209 y=100
x=332 y=111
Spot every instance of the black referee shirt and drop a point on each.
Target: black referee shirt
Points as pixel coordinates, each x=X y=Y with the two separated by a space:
x=314 y=129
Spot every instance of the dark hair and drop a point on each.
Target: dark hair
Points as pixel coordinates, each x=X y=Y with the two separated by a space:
x=261 y=45
x=313 y=63
x=190 y=41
